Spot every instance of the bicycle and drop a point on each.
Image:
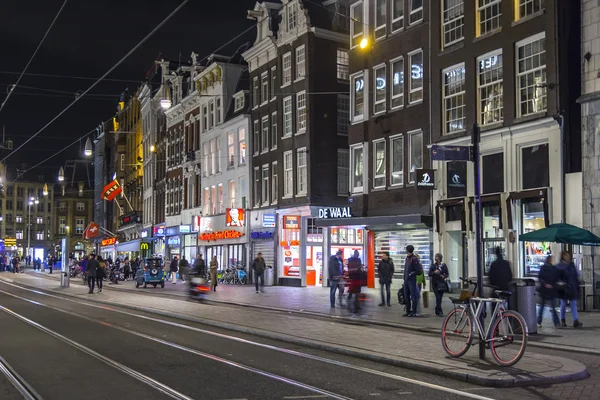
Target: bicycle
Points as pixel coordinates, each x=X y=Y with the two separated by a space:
x=505 y=328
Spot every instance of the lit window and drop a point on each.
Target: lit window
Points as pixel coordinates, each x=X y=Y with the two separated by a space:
x=292 y=16
x=213 y=157
x=343 y=114
x=415 y=11
x=343 y=63
x=379 y=103
x=256 y=138
x=79 y=226
x=415 y=152
x=488 y=16
x=287 y=117
x=397 y=15
x=358 y=97
x=213 y=200
x=288 y=174
x=453 y=99
x=239 y=103
x=273 y=82
x=274 y=130
x=287 y=69
x=302 y=171
x=490 y=83
x=242 y=145
x=39 y=235
x=20 y=234
x=397 y=160
x=265 y=183
x=221 y=199
x=19 y=219
x=397 y=78
x=357 y=23
x=232 y=194
x=454 y=18
x=357 y=165
x=274 y=183
x=523 y=8
x=379 y=166
x=265 y=134
x=300 y=62
x=531 y=75
x=301 y=112
x=416 y=77
x=343 y=171
x=206 y=157
x=380 y=19
x=230 y=150
x=206 y=205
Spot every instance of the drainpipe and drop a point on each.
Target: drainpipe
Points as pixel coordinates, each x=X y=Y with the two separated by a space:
x=592 y=249
x=561 y=123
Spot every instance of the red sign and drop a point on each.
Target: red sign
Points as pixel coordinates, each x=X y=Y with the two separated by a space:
x=196 y=223
x=91 y=231
x=234 y=217
x=108 y=241
x=220 y=235
x=111 y=190
x=291 y=222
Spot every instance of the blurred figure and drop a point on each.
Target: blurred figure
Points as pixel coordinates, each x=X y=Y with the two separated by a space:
x=92 y=267
x=438 y=274
x=213 y=266
x=174 y=269
x=385 y=270
x=100 y=273
x=184 y=266
x=548 y=277
x=336 y=270
x=200 y=265
x=258 y=266
x=500 y=274
x=421 y=284
x=412 y=268
x=570 y=290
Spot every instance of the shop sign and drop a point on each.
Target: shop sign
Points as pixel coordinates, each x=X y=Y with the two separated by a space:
x=285 y=243
x=229 y=234
x=144 y=246
x=451 y=153
x=261 y=235
x=108 y=241
x=269 y=220
x=234 y=217
x=426 y=179
x=185 y=229
x=456 y=179
x=172 y=231
x=174 y=241
x=131 y=218
x=291 y=222
x=335 y=212
x=196 y=223
x=159 y=230
x=10 y=242
x=145 y=233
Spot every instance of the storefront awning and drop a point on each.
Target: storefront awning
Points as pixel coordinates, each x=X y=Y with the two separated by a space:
x=410 y=221
x=133 y=245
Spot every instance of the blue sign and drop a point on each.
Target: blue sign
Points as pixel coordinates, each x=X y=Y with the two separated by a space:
x=451 y=153
x=173 y=241
x=172 y=231
x=269 y=220
x=261 y=235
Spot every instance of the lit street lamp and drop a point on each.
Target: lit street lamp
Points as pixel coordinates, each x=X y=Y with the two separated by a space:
x=61 y=174
x=88 y=148
x=165 y=104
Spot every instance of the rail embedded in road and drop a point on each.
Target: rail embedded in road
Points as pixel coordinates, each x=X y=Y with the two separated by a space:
x=18 y=382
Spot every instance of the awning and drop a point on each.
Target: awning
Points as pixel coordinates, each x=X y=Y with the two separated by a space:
x=410 y=221
x=133 y=245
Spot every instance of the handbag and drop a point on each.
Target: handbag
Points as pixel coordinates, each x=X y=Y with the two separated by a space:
x=441 y=286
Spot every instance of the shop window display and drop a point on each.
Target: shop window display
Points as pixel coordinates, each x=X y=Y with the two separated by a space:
x=532 y=219
x=493 y=235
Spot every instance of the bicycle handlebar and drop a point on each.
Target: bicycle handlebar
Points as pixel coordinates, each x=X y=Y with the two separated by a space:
x=470 y=282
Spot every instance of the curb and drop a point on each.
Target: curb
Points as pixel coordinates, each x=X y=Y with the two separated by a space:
x=349 y=351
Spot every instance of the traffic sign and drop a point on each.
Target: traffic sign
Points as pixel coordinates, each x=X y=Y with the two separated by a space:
x=451 y=153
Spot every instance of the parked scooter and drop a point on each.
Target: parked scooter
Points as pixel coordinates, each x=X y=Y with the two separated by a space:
x=116 y=275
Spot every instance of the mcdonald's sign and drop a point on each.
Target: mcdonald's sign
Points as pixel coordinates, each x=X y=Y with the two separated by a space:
x=144 y=246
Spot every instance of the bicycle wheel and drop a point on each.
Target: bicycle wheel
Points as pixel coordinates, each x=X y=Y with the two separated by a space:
x=457 y=333
x=508 y=339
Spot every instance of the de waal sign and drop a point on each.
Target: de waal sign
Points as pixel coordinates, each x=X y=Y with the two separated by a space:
x=335 y=212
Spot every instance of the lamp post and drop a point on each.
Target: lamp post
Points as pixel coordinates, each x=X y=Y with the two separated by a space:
x=32 y=201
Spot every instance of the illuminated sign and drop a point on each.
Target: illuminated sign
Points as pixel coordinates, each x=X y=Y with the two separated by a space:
x=174 y=241
x=359 y=84
x=291 y=222
x=488 y=62
x=234 y=217
x=398 y=78
x=380 y=83
x=185 y=229
x=269 y=220
x=290 y=243
x=108 y=241
x=145 y=233
x=159 y=230
x=261 y=235
x=335 y=212
x=425 y=179
x=416 y=71
x=229 y=234
x=10 y=242
x=144 y=246
x=196 y=223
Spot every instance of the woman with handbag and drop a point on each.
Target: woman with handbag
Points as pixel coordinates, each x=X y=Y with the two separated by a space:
x=570 y=291
x=438 y=274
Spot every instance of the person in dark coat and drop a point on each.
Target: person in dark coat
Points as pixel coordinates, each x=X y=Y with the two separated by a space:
x=412 y=268
x=174 y=269
x=259 y=266
x=385 y=270
x=200 y=266
x=500 y=272
x=336 y=270
x=548 y=277
x=570 y=292
x=92 y=267
x=438 y=274
x=100 y=273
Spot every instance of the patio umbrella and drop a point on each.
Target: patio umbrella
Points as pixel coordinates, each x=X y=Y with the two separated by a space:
x=562 y=233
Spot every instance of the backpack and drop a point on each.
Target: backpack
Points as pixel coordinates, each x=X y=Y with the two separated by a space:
x=401 y=298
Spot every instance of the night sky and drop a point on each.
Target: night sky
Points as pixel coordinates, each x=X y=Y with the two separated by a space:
x=89 y=37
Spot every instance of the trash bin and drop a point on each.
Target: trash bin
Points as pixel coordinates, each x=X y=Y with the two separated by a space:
x=513 y=299
x=526 y=304
x=269 y=276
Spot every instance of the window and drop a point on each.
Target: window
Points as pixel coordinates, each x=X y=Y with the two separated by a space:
x=357 y=165
x=62 y=206
x=358 y=97
x=264 y=87
x=211 y=115
x=239 y=103
x=453 y=99
x=415 y=11
x=39 y=235
x=454 y=19
x=80 y=206
x=488 y=16
x=287 y=69
x=415 y=152
x=40 y=220
x=490 y=83
x=274 y=130
x=300 y=62
x=20 y=192
x=242 y=145
x=301 y=112
x=379 y=166
x=287 y=117
x=230 y=150
x=255 y=92
x=397 y=160
x=213 y=200
x=527 y=7
x=19 y=204
x=62 y=223
x=206 y=158
x=292 y=16
x=256 y=138
x=221 y=198
x=19 y=219
x=357 y=24
x=213 y=156
x=9 y=218
x=531 y=75
x=379 y=77
x=274 y=183
x=232 y=194
x=343 y=114
x=535 y=166
x=265 y=184
x=343 y=64
x=302 y=171
x=343 y=172
x=19 y=234
x=492 y=171
x=265 y=134
x=9 y=204
x=79 y=226
x=416 y=76
x=256 y=187
x=397 y=15
x=206 y=205
x=205 y=117
x=288 y=174
x=218 y=110
x=273 y=82
x=219 y=156
x=397 y=75
x=380 y=19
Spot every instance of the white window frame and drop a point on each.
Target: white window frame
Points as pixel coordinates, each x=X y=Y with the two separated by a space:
x=256 y=137
x=80 y=206
x=410 y=136
x=355 y=37
x=242 y=142
x=302 y=171
x=412 y=91
x=206 y=201
x=286 y=66
x=288 y=122
x=380 y=176
x=343 y=115
x=291 y=11
x=397 y=23
x=417 y=13
x=381 y=30
x=265 y=184
x=230 y=150
x=264 y=135
x=257 y=192
x=218 y=107
x=521 y=3
x=300 y=62
x=239 y=102
x=379 y=105
x=211 y=114
x=482 y=9
x=454 y=23
x=274 y=182
x=480 y=112
x=255 y=92
x=274 y=132
x=343 y=172
x=364 y=116
x=399 y=97
x=232 y=193
x=301 y=114
x=343 y=64
x=446 y=96
x=353 y=187
x=396 y=176
x=542 y=87
x=273 y=83
x=288 y=174
x=264 y=88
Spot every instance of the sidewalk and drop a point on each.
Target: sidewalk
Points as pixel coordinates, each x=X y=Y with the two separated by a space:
x=416 y=351
x=315 y=301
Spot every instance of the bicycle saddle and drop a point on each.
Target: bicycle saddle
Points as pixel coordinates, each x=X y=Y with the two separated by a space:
x=503 y=294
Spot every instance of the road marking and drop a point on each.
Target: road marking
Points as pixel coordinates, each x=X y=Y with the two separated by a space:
x=318 y=396
x=404 y=393
x=257 y=344
x=374 y=394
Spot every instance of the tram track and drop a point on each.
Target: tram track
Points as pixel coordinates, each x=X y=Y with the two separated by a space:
x=18 y=382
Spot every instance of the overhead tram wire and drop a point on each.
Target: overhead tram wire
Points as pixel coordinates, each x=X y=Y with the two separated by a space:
x=33 y=55
x=75 y=77
x=137 y=46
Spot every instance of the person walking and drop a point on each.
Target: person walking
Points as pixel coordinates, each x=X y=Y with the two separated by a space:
x=174 y=269
x=548 y=277
x=184 y=267
x=200 y=266
x=259 y=266
x=385 y=270
x=335 y=270
x=412 y=268
x=92 y=267
x=50 y=264
x=438 y=274
x=421 y=284
x=570 y=290
x=213 y=267
x=100 y=273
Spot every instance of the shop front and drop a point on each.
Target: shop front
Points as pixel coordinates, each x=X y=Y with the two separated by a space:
x=129 y=250
x=224 y=237
x=146 y=245
x=108 y=249
x=189 y=242
x=263 y=236
x=159 y=242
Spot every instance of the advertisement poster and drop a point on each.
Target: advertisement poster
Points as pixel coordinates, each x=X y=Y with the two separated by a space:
x=291 y=261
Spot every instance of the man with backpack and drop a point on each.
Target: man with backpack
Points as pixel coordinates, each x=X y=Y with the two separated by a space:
x=412 y=268
x=385 y=269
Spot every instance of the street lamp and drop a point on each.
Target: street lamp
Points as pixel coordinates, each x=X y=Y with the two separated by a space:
x=88 y=148
x=61 y=174
x=152 y=148
x=364 y=43
x=45 y=190
x=165 y=104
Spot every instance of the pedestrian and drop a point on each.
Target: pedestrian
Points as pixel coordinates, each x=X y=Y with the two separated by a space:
x=50 y=263
x=258 y=266
x=184 y=266
x=421 y=283
x=438 y=274
x=199 y=265
x=548 y=277
x=92 y=267
x=500 y=274
x=100 y=273
x=336 y=270
x=385 y=270
x=570 y=289
x=412 y=268
x=214 y=266
x=174 y=270
x=354 y=274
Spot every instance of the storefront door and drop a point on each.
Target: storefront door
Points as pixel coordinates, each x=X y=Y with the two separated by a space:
x=454 y=259
x=314 y=265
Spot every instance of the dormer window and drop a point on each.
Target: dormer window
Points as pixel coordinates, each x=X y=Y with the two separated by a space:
x=239 y=103
x=292 y=16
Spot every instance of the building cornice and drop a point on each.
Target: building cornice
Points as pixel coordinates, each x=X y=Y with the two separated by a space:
x=330 y=35
x=255 y=54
